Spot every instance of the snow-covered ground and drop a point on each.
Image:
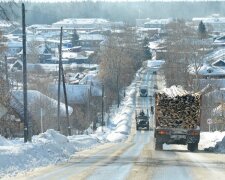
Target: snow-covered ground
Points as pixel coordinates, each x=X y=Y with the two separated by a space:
x=52 y=147
x=213 y=141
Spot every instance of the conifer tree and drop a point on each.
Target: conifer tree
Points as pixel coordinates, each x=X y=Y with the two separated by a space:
x=202 y=30
x=75 y=38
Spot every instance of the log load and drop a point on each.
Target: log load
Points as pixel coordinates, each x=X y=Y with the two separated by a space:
x=177 y=108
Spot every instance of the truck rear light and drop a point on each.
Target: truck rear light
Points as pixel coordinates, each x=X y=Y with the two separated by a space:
x=194 y=133
x=163 y=132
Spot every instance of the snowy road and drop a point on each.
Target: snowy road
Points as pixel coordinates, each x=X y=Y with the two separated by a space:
x=136 y=158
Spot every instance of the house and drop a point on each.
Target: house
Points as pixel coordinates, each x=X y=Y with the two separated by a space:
x=13 y=47
x=157 y=23
x=7 y=26
x=219 y=63
x=11 y=117
x=17 y=66
x=55 y=60
x=207 y=71
x=83 y=23
x=53 y=43
x=40 y=107
x=90 y=41
x=220 y=41
x=36 y=53
x=76 y=94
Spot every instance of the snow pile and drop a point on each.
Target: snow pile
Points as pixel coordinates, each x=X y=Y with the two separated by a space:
x=212 y=141
x=220 y=146
x=120 y=119
x=47 y=148
x=120 y=123
x=4 y=142
x=52 y=147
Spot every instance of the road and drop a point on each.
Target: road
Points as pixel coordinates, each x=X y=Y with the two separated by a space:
x=136 y=157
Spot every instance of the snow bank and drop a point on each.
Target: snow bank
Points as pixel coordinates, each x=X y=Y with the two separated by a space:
x=212 y=141
x=220 y=146
x=47 y=148
x=4 y=141
x=120 y=122
x=52 y=147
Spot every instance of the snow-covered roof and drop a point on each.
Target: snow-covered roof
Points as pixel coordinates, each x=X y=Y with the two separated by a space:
x=207 y=70
x=14 y=44
x=158 y=21
x=77 y=94
x=210 y=20
x=73 y=55
x=82 y=21
x=7 y=24
x=155 y=44
x=219 y=63
x=215 y=55
x=37 y=100
x=91 y=37
x=90 y=79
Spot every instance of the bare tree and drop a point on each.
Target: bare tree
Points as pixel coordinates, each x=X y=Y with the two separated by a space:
x=184 y=49
x=33 y=51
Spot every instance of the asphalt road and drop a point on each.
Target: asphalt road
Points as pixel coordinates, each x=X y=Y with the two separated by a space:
x=136 y=158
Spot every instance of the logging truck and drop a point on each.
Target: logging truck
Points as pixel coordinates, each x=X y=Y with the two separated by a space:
x=177 y=118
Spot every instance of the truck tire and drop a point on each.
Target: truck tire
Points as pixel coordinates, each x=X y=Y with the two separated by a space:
x=193 y=147
x=158 y=146
x=147 y=128
x=137 y=128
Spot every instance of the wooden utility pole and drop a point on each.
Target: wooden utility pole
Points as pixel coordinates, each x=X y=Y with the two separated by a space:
x=6 y=74
x=27 y=124
x=102 y=106
x=89 y=103
x=118 y=93
x=66 y=103
x=59 y=81
x=64 y=83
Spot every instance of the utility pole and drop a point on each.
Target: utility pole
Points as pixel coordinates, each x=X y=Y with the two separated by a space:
x=222 y=110
x=64 y=83
x=27 y=125
x=59 y=82
x=89 y=103
x=6 y=74
x=117 y=86
x=102 y=106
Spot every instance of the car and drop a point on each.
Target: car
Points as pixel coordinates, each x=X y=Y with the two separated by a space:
x=143 y=90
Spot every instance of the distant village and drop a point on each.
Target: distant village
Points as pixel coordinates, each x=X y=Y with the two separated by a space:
x=82 y=38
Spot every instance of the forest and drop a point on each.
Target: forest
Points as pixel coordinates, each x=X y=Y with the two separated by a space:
x=48 y=13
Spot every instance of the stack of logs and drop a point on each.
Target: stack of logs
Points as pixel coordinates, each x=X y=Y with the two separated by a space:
x=176 y=108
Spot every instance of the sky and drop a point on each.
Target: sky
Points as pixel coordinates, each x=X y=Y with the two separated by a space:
x=113 y=0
